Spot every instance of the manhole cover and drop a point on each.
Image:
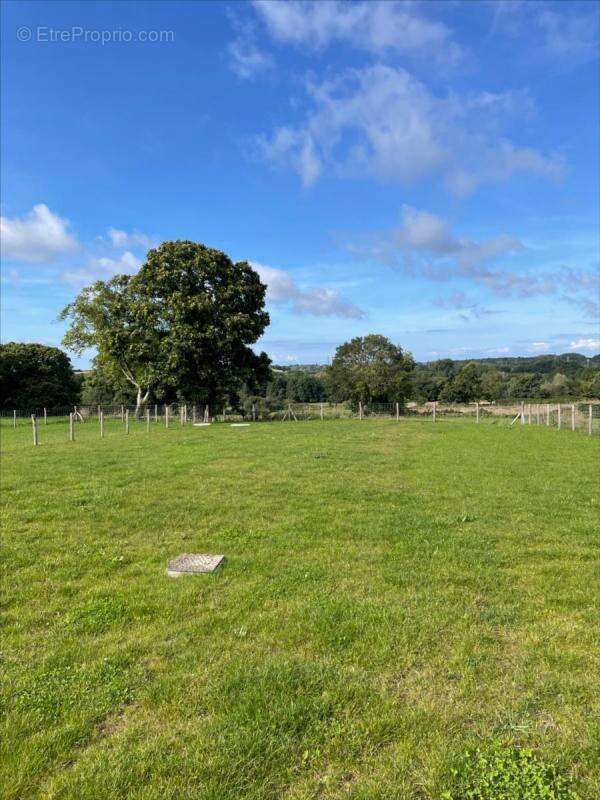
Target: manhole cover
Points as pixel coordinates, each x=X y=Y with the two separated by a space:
x=194 y=562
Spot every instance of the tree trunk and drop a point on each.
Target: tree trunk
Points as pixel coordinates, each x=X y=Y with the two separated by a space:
x=139 y=402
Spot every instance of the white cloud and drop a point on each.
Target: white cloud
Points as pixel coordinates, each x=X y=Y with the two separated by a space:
x=572 y=37
x=563 y=33
x=377 y=27
x=101 y=269
x=424 y=242
x=424 y=245
x=246 y=59
x=383 y=122
x=282 y=289
x=39 y=236
x=135 y=239
x=586 y=344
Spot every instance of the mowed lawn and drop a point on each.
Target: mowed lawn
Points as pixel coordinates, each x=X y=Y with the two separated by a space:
x=395 y=593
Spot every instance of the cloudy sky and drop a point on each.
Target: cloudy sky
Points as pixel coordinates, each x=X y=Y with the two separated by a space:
x=428 y=171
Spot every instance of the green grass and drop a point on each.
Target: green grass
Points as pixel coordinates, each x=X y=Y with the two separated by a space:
x=395 y=594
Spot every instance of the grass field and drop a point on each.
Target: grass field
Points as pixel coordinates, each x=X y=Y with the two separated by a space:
x=394 y=594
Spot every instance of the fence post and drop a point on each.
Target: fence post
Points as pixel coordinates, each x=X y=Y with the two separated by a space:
x=590 y=420
x=360 y=409
x=147 y=420
x=71 y=428
x=45 y=417
x=572 y=416
x=547 y=413
x=522 y=414
x=166 y=415
x=101 y=424
x=35 y=430
x=155 y=412
x=253 y=413
x=223 y=413
x=477 y=412
x=126 y=420
x=529 y=413
x=321 y=411
x=122 y=413
x=558 y=416
x=99 y=411
x=434 y=409
x=14 y=419
x=397 y=411
x=537 y=414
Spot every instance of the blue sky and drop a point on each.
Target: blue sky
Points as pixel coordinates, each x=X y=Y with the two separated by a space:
x=428 y=171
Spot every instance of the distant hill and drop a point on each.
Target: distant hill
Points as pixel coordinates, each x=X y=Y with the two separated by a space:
x=566 y=363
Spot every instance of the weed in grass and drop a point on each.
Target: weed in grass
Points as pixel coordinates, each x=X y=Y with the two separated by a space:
x=509 y=773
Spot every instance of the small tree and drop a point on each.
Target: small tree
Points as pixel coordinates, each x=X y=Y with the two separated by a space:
x=464 y=387
x=370 y=369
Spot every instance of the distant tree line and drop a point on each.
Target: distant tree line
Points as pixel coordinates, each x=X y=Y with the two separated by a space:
x=183 y=326
x=367 y=369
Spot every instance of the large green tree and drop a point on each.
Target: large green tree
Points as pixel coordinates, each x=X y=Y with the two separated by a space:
x=184 y=322
x=370 y=369
x=34 y=376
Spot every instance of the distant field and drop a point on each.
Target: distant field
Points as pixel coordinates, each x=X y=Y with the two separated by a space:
x=395 y=593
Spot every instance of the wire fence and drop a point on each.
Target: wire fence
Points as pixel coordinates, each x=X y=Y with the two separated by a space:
x=582 y=416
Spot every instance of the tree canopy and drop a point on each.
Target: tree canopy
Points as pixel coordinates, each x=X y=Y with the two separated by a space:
x=34 y=376
x=183 y=323
x=370 y=369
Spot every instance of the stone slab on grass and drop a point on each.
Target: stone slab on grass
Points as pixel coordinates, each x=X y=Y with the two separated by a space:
x=240 y=424
x=194 y=563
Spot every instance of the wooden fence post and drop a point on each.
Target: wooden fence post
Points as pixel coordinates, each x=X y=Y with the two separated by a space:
x=155 y=412
x=360 y=413
x=547 y=413
x=477 y=412
x=397 y=411
x=101 y=424
x=321 y=411
x=71 y=428
x=45 y=417
x=253 y=413
x=126 y=420
x=434 y=409
x=14 y=419
x=572 y=416
x=558 y=420
x=122 y=413
x=147 y=420
x=537 y=414
x=522 y=414
x=35 y=430
x=590 y=420
x=529 y=413
x=166 y=415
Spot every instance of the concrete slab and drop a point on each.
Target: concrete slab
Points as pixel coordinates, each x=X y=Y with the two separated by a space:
x=194 y=563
